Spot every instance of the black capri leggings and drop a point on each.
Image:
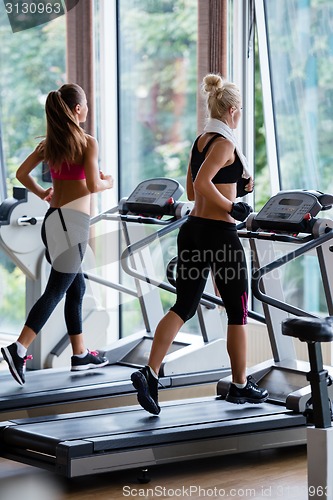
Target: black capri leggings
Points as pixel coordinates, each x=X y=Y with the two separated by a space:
x=65 y=234
x=206 y=245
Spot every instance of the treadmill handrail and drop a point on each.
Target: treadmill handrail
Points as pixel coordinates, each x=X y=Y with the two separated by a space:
x=116 y=286
x=207 y=299
x=139 y=219
x=101 y=216
x=258 y=275
x=131 y=249
x=168 y=226
x=271 y=236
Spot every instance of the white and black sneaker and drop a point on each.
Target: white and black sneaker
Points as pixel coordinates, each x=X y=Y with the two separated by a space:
x=251 y=393
x=146 y=385
x=16 y=364
x=89 y=361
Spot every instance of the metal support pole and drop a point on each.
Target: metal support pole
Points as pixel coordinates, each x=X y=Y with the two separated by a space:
x=318 y=379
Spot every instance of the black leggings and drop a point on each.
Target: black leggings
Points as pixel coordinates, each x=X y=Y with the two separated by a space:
x=65 y=235
x=206 y=245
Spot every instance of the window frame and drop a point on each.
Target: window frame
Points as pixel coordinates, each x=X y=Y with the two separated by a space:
x=107 y=127
x=267 y=94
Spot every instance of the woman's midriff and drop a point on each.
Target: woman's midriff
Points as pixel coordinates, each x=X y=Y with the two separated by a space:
x=72 y=194
x=205 y=209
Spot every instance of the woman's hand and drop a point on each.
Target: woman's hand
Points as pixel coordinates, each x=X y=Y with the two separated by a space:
x=240 y=211
x=244 y=186
x=47 y=195
x=250 y=185
x=107 y=178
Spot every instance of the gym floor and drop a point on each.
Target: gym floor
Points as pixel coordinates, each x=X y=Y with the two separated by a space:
x=274 y=474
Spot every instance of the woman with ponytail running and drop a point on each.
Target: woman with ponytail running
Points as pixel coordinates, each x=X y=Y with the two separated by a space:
x=72 y=156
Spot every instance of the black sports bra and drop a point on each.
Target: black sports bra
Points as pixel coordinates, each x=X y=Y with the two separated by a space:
x=226 y=175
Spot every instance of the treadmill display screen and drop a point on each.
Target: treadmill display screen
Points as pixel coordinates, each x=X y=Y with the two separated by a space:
x=291 y=202
x=154 y=196
x=288 y=211
x=156 y=187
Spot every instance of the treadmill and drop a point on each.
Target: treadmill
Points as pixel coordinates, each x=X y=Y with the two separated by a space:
x=287 y=225
x=128 y=437
x=51 y=390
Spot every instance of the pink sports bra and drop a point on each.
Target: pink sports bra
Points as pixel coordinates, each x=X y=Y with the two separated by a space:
x=69 y=172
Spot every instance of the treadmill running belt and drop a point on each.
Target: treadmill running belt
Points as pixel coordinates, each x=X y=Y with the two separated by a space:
x=122 y=427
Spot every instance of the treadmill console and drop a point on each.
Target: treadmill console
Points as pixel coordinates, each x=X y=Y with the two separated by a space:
x=292 y=211
x=154 y=196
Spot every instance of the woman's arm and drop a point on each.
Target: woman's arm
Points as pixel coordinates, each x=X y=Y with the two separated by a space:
x=24 y=171
x=96 y=180
x=218 y=156
x=189 y=184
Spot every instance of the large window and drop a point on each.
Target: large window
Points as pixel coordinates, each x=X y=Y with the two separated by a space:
x=300 y=36
x=157 y=100
x=157 y=88
x=300 y=52
x=32 y=62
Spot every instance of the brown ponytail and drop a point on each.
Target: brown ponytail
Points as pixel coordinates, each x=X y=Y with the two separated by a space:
x=65 y=139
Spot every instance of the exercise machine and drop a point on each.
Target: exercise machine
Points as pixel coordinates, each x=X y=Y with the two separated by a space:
x=287 y=222
x=194 y=360
x=127 y=437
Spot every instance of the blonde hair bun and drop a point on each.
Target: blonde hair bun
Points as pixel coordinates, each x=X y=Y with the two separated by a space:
x=220 y=94
x=212 y=83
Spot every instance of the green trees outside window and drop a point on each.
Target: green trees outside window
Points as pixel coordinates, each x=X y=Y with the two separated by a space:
x=157 y=103
x=32 y=62
x=157 y=88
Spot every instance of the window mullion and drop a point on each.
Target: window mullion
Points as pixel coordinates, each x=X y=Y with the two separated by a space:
x=268 y=108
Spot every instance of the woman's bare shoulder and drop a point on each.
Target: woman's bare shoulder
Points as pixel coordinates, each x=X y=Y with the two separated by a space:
x=223 y=142
x=222 y=147
x=40 y=150
x=91 y=141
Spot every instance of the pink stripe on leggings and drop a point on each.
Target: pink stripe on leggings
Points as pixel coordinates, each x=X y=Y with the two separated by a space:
x=244 y=305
